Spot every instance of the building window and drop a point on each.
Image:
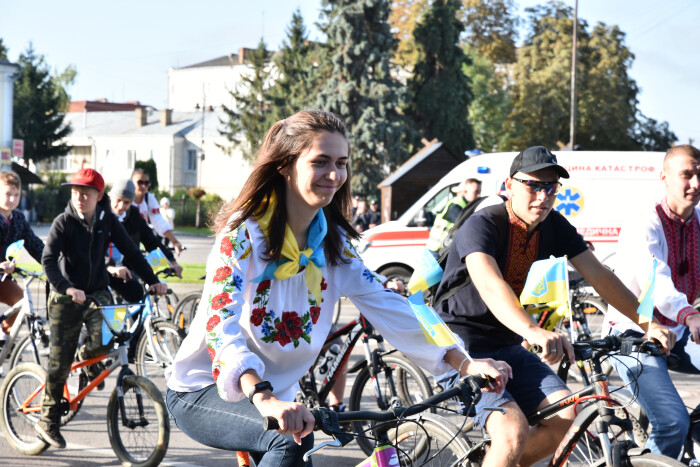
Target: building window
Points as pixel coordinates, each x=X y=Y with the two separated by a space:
x=131 y=158
x=191 y=160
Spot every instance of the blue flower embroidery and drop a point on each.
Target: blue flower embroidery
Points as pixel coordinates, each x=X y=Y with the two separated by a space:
x=215 y=342
x=226 y=313
x=266 y=329
x=271 y=312
x=308 y=328
x=238 y=282
x=367 y=274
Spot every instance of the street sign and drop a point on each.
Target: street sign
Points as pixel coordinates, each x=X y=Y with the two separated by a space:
x=18 y=148
x=5 y=156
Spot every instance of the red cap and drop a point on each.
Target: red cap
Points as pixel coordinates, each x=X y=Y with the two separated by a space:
x=87 y=177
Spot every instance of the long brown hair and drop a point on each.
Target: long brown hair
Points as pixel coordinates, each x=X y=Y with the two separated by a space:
x=284 y=143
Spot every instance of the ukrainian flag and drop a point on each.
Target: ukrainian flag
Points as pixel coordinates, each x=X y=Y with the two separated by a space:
x=157 y=260
x=14 y=249
x=427 y=273
x=547 y=281
x=646 y=299
x=434 y=328
x=115 y=315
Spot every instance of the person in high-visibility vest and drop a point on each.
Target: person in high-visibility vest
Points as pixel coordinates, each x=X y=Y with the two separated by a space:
x=467 y=192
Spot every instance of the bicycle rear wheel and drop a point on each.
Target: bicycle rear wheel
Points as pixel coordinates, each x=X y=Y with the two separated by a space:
x=386 y=390
x=646 y=460
x=153 y=362
x=24 y=351
x=431 y=440
x=143 y=439
x=21 y=396
x=185 y=311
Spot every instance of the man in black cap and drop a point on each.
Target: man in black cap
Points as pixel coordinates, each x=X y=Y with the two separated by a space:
x=485 y=273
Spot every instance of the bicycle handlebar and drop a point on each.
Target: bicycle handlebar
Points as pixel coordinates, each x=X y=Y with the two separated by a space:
x=468 y=389
x=608 y=344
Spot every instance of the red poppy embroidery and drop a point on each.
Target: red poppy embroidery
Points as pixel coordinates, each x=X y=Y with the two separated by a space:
x=281 y=335
x=215 y=373
x=315 y=313
x=324 y=285
x=262 y=286
x=226 y=246
x=213 y=322
x=293 y=323
x=220 y=301
x=222 y=273
x=212 y=352
x=257 y=316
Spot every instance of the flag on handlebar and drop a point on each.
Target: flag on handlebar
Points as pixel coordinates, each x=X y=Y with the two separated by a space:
x=434 y=328
x=646 y=299
x=546 y=282
x=427 y=273
x=14 y=249
x=157 y=260
x=115 y=315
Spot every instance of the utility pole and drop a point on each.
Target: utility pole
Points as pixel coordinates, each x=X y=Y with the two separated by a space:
x=201 y=159
x=572 y=123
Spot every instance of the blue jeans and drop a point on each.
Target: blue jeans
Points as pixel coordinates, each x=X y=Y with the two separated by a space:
x=235 y=426
x=648 y=377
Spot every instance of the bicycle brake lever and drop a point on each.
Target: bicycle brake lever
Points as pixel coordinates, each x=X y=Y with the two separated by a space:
x=335 y=443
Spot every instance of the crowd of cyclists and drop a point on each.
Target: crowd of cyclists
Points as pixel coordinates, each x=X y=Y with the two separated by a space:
x=283 y=256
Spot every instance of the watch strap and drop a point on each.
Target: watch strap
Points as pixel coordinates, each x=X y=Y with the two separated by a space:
x=261 y=386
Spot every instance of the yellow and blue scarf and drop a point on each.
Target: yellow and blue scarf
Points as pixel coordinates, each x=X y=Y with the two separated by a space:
x=291 y=259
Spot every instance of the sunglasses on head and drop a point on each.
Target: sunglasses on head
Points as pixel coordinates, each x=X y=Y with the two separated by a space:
x=534 y=186
x=144 y=182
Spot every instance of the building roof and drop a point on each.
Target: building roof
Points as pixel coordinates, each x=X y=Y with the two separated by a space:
x=103 y=105
x=416 y=159
x=225 y=60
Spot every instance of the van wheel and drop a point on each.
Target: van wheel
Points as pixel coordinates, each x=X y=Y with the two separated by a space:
x=398 y=272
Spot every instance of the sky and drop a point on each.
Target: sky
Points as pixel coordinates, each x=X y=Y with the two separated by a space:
x=123 y=50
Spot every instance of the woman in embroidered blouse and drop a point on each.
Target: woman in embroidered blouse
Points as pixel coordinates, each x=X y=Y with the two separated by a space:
x=281 y=260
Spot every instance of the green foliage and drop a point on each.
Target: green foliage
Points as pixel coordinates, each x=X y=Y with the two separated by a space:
x=150 y=167
x=39 y=101
x=295 y=87
x=251 y=117
x=491 y=28
x=440 y=90
x=52 y=196
x=3 y=51
x=358 y=87
x=186 y=207
x=652 y=135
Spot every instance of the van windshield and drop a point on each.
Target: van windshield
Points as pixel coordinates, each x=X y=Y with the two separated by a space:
x=436 y=204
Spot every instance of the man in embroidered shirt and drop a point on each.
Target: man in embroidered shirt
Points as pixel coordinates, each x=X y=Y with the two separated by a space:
x=497 y=245
x=670 y=232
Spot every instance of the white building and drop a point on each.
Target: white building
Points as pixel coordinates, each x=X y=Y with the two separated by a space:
x=9 y=72
x=111 y=142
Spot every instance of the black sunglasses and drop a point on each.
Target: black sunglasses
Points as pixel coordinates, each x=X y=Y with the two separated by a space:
x=550 y=188
x=144 y=182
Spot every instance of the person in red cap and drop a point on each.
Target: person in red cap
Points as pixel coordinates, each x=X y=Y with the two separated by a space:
x=73 y=260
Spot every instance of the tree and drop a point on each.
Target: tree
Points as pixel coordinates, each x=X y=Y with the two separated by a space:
x=606 y=95
x=651 y=135
x=491 y=28
x=251 y=114
x=3 y=51
x=39 y=102
x=295 y=87
x=404 y=16
x=149 y=166
x=360 y=89
x=440 y=93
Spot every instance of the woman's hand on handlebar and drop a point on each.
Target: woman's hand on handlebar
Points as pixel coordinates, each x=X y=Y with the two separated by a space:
x=293 y=418
x=498 y=372
x=77 y=294
x=8 y=267
x=665 y=337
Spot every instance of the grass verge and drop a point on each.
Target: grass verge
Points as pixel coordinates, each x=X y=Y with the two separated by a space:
x=191 y=272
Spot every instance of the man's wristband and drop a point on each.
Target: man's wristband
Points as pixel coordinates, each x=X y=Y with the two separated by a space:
x=259 y=387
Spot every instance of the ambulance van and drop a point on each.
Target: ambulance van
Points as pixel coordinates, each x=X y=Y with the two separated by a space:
x=605 y=188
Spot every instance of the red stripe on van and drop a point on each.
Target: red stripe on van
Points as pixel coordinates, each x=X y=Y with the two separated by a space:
x=401 y=235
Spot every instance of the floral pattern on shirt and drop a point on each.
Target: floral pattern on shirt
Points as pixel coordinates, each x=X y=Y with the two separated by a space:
x=290 y=326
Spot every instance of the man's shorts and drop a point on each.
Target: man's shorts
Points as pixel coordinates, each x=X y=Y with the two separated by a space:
x=532 y=381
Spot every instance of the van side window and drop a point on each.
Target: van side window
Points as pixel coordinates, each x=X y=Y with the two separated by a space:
x=434 y=207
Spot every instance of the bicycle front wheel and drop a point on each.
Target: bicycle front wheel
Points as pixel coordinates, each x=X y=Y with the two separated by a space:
x=646 y=460
x=21 y=394
x=398 y=382
x=185 y=311
x=431 y=440
x=141 y=439
x=153 y=360
x=24 y=351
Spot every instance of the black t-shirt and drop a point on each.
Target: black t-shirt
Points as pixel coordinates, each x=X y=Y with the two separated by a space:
x=489 y=231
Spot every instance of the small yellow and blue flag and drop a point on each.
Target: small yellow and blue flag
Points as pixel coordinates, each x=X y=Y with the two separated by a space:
x=427 y=273
x=115 y=315
x=547 y=281
x=157 y=260
x=434 y=328
x=646 y=299
x=14 y=249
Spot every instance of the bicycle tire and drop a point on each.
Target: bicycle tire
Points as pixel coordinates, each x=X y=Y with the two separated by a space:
x=145 y=445
x=363 y=397
x=166 y=339
x=185 y=311
x=594 y=319
x=164 y=305
x=24 y=352
x=431 y=440
x=645 y=460
x=18 y=427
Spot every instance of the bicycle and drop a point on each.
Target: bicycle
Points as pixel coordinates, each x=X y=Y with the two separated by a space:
x=690 y=454
x=186 y=309
x=604 y=432
x=375 y=384
x=137 y=422
x=35 y=344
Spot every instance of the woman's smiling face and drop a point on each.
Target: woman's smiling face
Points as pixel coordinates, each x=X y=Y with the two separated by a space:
x=318 y=172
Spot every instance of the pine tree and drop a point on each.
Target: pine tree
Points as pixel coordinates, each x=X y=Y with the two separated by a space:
x=294 y=89
x=360 y=89
x=38 y=106
x=252 y=115
x=440 y=89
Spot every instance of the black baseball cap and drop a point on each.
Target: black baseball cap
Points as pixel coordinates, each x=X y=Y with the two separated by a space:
x=536 y=158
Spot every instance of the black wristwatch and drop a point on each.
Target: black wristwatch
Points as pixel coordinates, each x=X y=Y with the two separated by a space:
x=257 y=388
